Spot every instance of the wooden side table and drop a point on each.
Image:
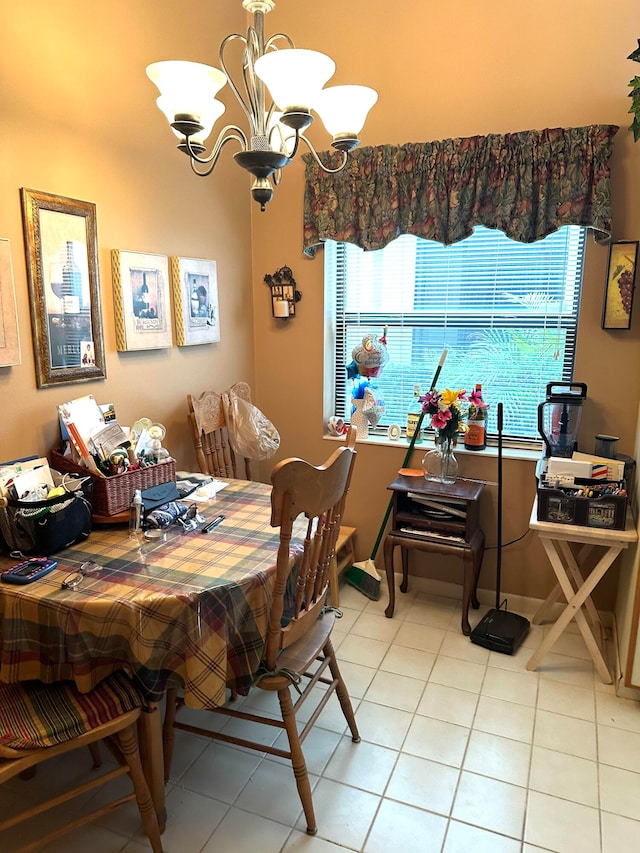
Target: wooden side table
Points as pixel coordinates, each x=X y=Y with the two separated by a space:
x=575 y=584
x=441 y=519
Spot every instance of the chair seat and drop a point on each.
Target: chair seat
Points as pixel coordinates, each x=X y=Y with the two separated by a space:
x=299 y=656
x=34 y=715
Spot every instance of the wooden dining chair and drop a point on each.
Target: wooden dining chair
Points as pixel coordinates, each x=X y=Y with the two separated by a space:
x=39 y=721
x=210 y=435
x=298 y=650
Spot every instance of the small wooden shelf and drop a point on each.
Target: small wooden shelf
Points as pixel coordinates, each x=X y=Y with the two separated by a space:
x=441 y=519
x=344 y=557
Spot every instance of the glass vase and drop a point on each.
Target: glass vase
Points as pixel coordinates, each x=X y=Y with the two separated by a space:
x=441 y=464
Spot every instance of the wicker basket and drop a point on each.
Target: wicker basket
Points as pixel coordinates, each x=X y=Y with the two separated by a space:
x=113 y=495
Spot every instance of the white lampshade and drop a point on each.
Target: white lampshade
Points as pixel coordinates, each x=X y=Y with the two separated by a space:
x=207 y=115
x=343 y=109
x=187 y=88
x=178 y=75
x=294 y=77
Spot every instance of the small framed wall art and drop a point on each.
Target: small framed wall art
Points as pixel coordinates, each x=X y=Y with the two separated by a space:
x=9 y=336
x=620 y=285
x=141 y=300
x=195 y=301
x=61 y=246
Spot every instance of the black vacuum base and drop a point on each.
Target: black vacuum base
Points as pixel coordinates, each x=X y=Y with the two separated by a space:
x=500 y=631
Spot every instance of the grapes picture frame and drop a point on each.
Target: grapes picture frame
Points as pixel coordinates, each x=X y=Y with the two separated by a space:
x=61 y=248
x=620 y=285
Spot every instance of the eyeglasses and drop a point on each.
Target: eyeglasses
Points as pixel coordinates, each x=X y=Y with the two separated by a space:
x=191 y=518
x=74 y=580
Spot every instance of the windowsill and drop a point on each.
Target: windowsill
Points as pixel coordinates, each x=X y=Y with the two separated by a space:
x=510 y=450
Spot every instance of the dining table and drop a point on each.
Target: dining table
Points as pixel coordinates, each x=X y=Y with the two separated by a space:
x=183 y=607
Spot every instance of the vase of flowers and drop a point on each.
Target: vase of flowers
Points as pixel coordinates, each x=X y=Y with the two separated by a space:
x=447 y=410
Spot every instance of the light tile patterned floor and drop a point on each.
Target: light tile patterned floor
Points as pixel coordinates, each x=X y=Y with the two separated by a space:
x=463 y=751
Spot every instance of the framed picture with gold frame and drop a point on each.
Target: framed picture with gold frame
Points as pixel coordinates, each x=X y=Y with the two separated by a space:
x=620 y=285
x=141 y=300
x=195 y=301
x=61 y=248
x=9 y=334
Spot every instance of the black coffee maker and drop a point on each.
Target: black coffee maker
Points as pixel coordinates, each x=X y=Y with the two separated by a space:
x=559 y=417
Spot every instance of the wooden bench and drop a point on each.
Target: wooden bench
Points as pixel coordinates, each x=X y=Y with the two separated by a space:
x=345 y=556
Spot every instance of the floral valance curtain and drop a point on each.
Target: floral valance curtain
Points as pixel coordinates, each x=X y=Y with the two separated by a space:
x=525 y=184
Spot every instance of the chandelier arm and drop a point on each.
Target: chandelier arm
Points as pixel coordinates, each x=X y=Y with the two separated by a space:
x=281 y=140
x=246 y=108
x=270 y=43
x=297 y=138
x=227 y=134
x=319 y=161
x=253 y=86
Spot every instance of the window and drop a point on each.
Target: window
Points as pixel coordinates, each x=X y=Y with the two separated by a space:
x=507 y=313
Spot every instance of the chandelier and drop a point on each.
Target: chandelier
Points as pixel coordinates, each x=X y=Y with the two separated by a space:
x=294 y=79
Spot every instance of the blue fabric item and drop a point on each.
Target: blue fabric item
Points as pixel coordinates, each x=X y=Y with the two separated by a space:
x=165 y=515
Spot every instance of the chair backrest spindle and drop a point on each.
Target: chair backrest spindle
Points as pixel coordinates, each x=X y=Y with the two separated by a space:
x=320 y=494
x=208 y=426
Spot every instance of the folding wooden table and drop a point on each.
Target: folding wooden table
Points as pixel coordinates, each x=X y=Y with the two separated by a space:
x=575 y=584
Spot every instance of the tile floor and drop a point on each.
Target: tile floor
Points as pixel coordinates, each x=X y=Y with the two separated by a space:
x=463 y=751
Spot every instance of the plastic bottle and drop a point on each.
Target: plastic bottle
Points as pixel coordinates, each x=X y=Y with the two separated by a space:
x=135 y=513
x=413 y=415
x=475 y=438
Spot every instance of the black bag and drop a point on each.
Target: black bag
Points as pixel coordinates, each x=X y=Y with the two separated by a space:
x=44 y=527
x=160 y=495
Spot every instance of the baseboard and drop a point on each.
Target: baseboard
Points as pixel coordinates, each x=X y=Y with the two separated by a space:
x=621 y=689
x=522 y=604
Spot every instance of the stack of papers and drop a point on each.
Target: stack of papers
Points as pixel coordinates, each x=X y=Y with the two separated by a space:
x=602 y=468
x=197 y=487
x=20 y=477
x=92 y=436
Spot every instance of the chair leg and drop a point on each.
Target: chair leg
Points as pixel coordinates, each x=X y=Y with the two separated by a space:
x=94 y=749
x=297 y=759
x=129 y=746
x=342 y=692
x=168 y=731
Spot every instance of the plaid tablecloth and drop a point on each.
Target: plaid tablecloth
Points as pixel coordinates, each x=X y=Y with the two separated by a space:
x=193 y=606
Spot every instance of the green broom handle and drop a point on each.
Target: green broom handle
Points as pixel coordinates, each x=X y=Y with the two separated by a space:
x=404 y=465
x=407 y=457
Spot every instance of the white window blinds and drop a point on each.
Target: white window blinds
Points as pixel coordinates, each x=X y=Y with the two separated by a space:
x=507 y=312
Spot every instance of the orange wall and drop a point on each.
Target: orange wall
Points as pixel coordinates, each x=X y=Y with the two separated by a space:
x=79 y=120
x=446 y=70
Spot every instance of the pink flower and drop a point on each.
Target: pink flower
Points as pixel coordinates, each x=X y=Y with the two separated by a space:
x=476 y=400
x=429 y=401
x=440 y=419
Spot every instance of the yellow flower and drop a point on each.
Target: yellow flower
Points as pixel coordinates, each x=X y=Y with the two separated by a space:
x=450 y=398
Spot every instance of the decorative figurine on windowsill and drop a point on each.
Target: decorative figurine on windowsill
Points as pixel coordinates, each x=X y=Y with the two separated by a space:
x=367 y=404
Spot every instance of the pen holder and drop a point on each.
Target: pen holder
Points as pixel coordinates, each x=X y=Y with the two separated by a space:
x=113 y=495
x=601 y=505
